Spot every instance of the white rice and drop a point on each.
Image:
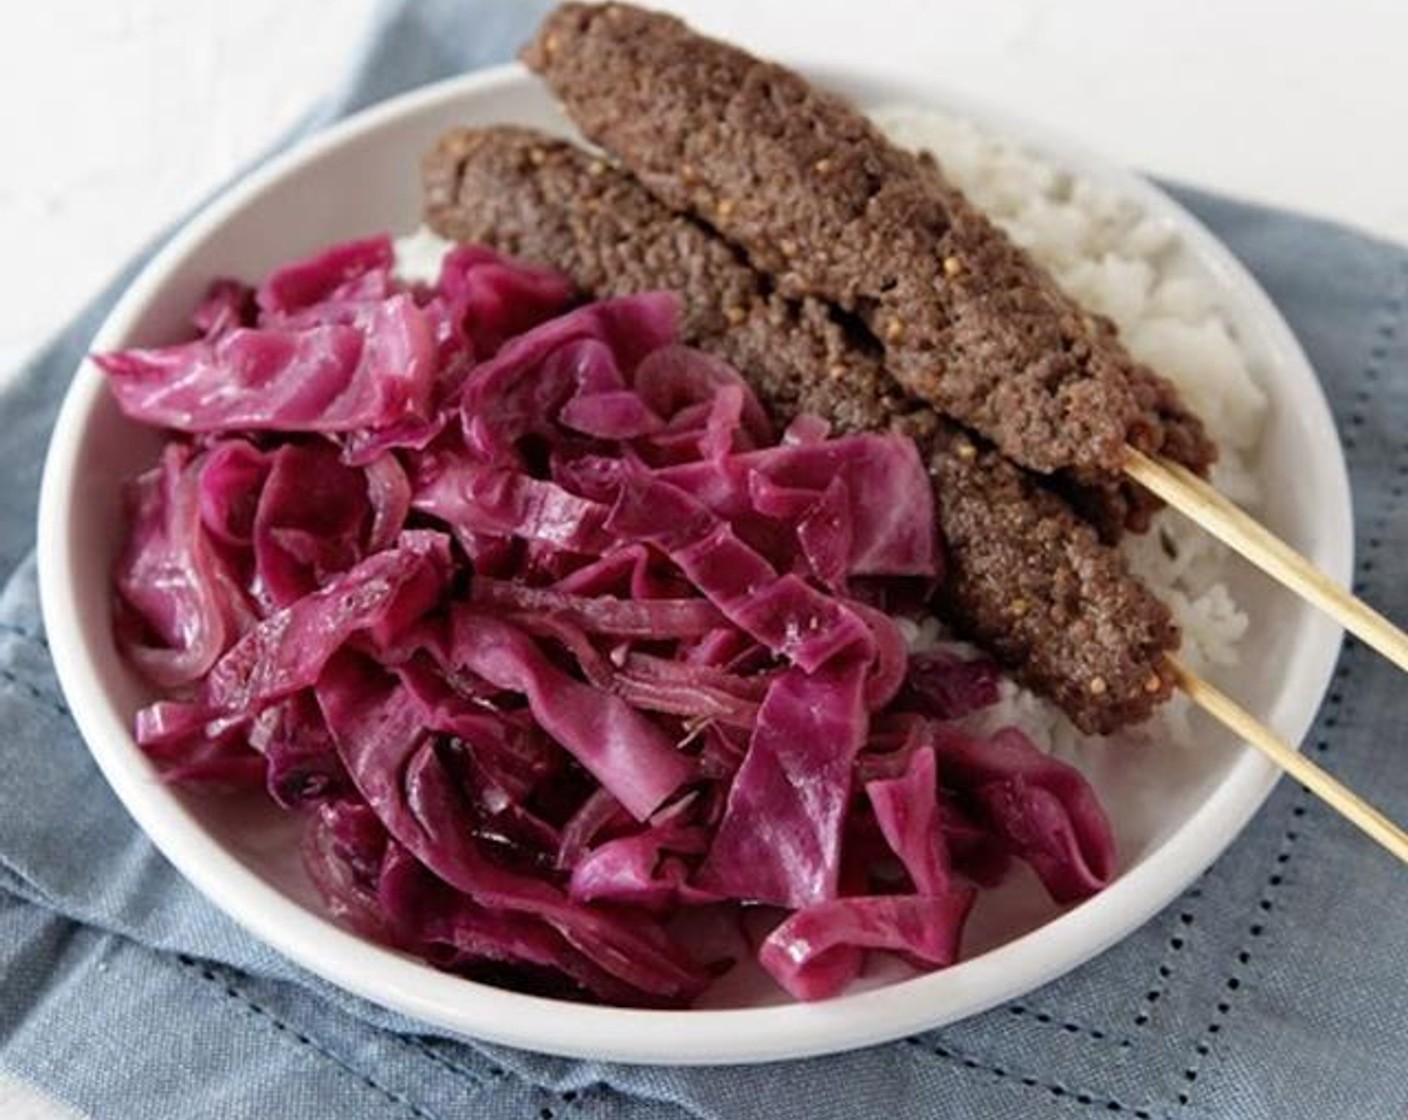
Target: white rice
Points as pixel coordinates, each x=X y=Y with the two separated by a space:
x=419 y=255
x=1117 y=260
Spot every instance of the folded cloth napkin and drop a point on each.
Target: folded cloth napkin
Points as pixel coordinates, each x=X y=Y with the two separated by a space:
x=1276 y=987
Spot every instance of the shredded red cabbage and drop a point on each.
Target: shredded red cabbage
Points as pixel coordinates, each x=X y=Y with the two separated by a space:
x=552 y=638
x=943 y=685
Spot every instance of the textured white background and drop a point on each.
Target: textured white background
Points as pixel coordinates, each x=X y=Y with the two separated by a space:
x=116 y=115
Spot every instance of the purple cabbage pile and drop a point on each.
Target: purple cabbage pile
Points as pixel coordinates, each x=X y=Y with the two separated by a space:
x=553 y=638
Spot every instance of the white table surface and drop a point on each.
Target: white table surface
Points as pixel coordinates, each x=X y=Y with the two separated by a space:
x=116 y=115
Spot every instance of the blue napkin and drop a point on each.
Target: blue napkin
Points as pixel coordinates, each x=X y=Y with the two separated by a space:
x=1276 y=987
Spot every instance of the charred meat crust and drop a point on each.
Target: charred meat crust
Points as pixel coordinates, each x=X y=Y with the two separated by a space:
x=1026 y=578
x=821 y=201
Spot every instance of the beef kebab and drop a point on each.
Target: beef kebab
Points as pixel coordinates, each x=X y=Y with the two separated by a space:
x=825 y=205
x=1027 y=579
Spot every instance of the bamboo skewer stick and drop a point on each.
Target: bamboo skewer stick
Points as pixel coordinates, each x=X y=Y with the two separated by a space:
x=1198 y=501
x=1330 y=790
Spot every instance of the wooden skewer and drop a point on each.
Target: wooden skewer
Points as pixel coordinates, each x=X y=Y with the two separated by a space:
x=1198 y=501
x=1334 y=793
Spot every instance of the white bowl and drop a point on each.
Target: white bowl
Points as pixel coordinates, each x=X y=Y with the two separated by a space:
x=1174 y=811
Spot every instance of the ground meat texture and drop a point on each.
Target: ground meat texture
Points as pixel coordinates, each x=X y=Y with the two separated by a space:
x=1163 y=424
x=1032 y=583
x=821 y=201
x=546 y=200
x=1026 y=579
x=1114 y=507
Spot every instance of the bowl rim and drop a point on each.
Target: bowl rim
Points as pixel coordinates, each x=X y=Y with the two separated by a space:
x=694 y=1037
